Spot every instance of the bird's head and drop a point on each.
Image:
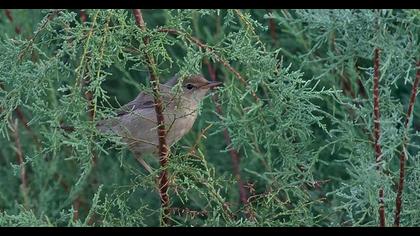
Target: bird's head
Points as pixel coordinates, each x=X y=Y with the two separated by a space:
x=194 y=87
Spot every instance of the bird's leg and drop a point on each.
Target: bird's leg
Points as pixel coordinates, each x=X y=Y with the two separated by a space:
x=138 y=157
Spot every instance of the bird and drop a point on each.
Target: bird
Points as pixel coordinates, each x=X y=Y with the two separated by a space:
x=135 y=122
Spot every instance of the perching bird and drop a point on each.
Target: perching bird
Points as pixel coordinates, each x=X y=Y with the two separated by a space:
x=136 y=121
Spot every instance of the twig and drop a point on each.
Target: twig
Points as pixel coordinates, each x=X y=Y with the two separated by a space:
x=403 y=155
x=272 y=27
x=92 y=219
x=377 y=133
x=88 y=94
x=346 y=85
x=91 y=114
x=67 y=128
x=233 y=153
x=345 y=82
x=362 y=90
x=76 y=202
x=21 y=160
x=18 y=111
x=218 y=58
x=9 y=16
x=187 y=211
x=25 y=122
x=63 y=183
x=31 y=41
x=163 y=147
x=76 y=207
x=83 y=16
x=198 y=139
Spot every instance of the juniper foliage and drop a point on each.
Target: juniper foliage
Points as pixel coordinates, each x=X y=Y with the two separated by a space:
x=296 y=107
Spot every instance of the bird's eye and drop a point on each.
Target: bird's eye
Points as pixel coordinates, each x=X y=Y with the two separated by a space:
x=189 y=86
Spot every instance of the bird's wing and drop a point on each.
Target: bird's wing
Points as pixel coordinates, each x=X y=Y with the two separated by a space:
x=142 y=101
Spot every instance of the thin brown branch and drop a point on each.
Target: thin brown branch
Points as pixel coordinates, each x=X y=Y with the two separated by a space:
x=76 y=207
x=22 y=119
x=233 y=153
x=88 y=96
x=67 y=128
x=243 y=196
x=403 y=155
x=187 y=211
x=21 y=116
x=42 y=27
x=21 y=161
x=15 y=131
x=9 y=16
x=163 y=147
x=346 y=86
x=377 y=132
x=218 y=58
x=83 y=16
x=272 y=27
x=18 y=111
x=86 y=82
x=92 y=219
x=413 y=96
x=376 y=112
x=198 y=139
x=91 y=114
x=62 y=183
x=345 y=82
x=362 y=90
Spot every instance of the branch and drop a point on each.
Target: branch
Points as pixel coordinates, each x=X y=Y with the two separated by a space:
x=163 y=147
x=88 y=94
x=272 y=27
x=377 y=132
x=76 y=207
x=346 y=86
x=202 y=134
x=218 y=58
x=83 y=16
x=91 y=114
x=21 y=161
x=9 y=16
x=403 y=155
x=18 y=111
x=187 y=211
x=42 y=27
x=233 y=153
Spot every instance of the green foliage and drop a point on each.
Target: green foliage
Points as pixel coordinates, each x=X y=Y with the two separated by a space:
x=305 y=143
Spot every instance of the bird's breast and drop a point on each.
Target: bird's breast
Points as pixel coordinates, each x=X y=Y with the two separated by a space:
x=180 y=124
x=139 y=128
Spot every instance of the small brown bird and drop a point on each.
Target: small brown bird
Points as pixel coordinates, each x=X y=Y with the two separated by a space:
x=136 y=121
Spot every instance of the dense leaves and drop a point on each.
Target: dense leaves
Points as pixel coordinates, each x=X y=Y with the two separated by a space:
x=296 y=106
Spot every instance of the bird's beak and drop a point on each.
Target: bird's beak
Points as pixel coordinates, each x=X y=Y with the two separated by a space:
x=212 y=84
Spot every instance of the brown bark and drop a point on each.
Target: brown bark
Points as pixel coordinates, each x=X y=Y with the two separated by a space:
x=403 y=155
x=163 y=147
x=377 y=133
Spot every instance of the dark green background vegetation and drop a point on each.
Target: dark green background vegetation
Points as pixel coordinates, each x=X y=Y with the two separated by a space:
x=305 y=145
